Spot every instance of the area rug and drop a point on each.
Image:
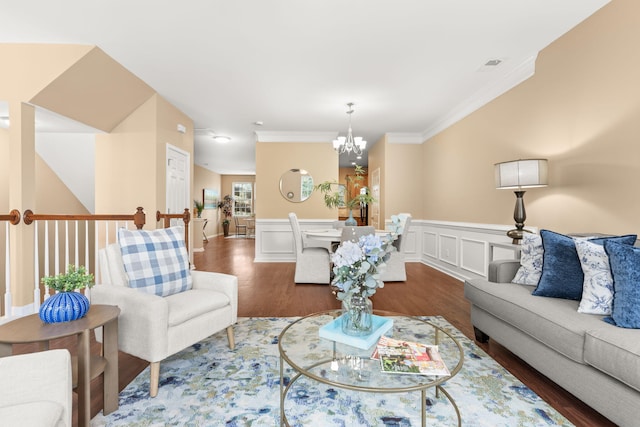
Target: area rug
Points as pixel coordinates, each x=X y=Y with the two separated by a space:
x=210 y=385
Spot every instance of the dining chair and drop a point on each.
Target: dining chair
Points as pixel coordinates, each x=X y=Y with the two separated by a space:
x=241 y=229
x=353 y=234
x=312 y=262
x=395 y=270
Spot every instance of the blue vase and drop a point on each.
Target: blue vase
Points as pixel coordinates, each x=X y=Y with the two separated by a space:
x=64 y=307
x=351 y=222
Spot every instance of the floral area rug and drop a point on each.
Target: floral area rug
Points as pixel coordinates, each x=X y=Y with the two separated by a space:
x=210 y=385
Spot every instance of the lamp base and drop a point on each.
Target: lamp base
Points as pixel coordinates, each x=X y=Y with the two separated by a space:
x=516 y=234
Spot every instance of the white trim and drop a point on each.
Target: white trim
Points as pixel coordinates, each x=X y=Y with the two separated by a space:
x=404 y=138
x=483 y=96
x=283 y=136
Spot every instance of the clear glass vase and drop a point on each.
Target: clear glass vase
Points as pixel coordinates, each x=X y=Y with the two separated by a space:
x=357 y=312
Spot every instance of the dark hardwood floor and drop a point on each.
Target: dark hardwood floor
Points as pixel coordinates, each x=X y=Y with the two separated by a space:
x=267 y=289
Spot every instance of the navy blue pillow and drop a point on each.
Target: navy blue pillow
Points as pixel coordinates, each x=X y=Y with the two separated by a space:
x=625 y=269
x=562 y=275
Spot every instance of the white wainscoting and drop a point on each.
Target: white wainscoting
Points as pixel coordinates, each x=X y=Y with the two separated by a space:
x=455 y=248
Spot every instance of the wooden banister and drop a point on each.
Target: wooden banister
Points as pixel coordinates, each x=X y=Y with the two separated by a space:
x=185 y=216
x=13 y=217
x=138 y=218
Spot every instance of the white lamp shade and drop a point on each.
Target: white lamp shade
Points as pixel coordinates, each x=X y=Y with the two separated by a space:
x=521 y=174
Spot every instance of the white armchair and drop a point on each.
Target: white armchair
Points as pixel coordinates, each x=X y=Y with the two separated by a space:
x=153 y=327
x=36 y=389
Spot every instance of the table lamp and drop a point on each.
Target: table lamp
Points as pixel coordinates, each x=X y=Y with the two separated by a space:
x=516 y=175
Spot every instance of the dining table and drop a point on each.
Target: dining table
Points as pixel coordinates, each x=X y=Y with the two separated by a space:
x=333 y=235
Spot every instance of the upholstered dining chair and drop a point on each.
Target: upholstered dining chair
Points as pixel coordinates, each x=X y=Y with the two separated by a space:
x=312 y=262
x=164 y=306
x=395 y=270
x=353 y=234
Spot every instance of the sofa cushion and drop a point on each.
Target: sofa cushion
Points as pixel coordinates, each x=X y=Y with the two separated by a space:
x=597 y=288
x=616 y=352
x=562 y=275
x=530 y=260
x=625 y=269
x=33 y=414
x=554 y=322
x=184 y=306
x=156 y=261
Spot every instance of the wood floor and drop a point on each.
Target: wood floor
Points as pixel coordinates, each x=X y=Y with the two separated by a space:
x=267 y=289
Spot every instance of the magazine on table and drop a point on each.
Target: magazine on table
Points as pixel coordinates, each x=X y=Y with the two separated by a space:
x=406 y=357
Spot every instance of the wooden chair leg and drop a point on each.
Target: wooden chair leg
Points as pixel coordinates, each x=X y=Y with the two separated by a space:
x=155 y=379
x=232 y=341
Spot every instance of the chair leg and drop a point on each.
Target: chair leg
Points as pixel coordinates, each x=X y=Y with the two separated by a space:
x=155 y=379
x=230 y=337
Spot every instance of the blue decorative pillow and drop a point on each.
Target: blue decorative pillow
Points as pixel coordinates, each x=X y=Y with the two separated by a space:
x=156 y=261
x=625 y=269
x=562 y=275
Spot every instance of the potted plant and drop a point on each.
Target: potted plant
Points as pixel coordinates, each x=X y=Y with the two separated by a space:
x=226 y=204
x=66 y=304
x=354 y=197
x=199 y=207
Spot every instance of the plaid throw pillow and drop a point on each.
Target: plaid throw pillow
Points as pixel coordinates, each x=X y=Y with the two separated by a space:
x=156 y=261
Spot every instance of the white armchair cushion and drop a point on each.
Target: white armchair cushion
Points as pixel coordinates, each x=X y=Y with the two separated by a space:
x=185 y=306
x=156 y=261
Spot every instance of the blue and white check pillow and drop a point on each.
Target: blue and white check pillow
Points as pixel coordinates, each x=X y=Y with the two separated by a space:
x=597 y=288
x=156 y=261
x=530 y=260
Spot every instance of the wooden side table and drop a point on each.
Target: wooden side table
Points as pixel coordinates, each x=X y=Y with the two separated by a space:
x=30 y=329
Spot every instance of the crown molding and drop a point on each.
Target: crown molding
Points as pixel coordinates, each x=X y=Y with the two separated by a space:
x=404 y=138
x=279 y=136
x=485 y=95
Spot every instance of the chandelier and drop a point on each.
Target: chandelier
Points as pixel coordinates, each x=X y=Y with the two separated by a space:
x=349 y=143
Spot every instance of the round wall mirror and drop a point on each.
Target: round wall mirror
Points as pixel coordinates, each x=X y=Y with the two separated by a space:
x=296 y=185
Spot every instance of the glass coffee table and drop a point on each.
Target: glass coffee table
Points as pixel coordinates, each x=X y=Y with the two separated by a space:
x=346 y=367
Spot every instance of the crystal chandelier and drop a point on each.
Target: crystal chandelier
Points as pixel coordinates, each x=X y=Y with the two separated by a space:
x=349 y=143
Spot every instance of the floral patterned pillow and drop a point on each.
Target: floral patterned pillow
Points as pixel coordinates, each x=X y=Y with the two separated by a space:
x=530 y=260
x=597 y=288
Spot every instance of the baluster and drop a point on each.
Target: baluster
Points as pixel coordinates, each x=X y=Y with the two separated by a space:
x=46 y=257
x=36 y=271
x=56 y=249
x=67 y=259
x=8 y=311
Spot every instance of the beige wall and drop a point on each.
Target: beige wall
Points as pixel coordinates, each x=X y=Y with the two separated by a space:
x=580 y=110
x=273 y=159
x=377 y=161
x=404 y=180
x=204 y=178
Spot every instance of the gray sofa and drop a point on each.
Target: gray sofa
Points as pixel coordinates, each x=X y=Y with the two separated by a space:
x=597 y=362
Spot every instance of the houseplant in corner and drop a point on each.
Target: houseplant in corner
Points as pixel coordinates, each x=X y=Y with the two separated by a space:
x=199 y=207
x=226 y=204
x=66 y=304
x=354 y=197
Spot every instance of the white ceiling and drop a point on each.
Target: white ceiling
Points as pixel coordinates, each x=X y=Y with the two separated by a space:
x=412 y=67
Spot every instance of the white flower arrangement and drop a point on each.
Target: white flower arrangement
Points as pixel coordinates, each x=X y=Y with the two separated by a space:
x=357 y=266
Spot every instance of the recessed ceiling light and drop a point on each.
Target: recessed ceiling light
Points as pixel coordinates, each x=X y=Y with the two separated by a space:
x=493 y=62
x=222 y=139
x=258 y=123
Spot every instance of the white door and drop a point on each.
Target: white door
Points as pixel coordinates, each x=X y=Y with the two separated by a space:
x=177 y=182
x=375 y=192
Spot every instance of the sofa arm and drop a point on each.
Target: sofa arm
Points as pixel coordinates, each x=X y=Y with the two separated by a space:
x=36 y=377
x=225 y=283
x=503 y=270
x=143 y=321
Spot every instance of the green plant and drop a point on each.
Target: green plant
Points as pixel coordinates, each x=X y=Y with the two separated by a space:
x=334 y=198
x=199 y=207
x=74 y=278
